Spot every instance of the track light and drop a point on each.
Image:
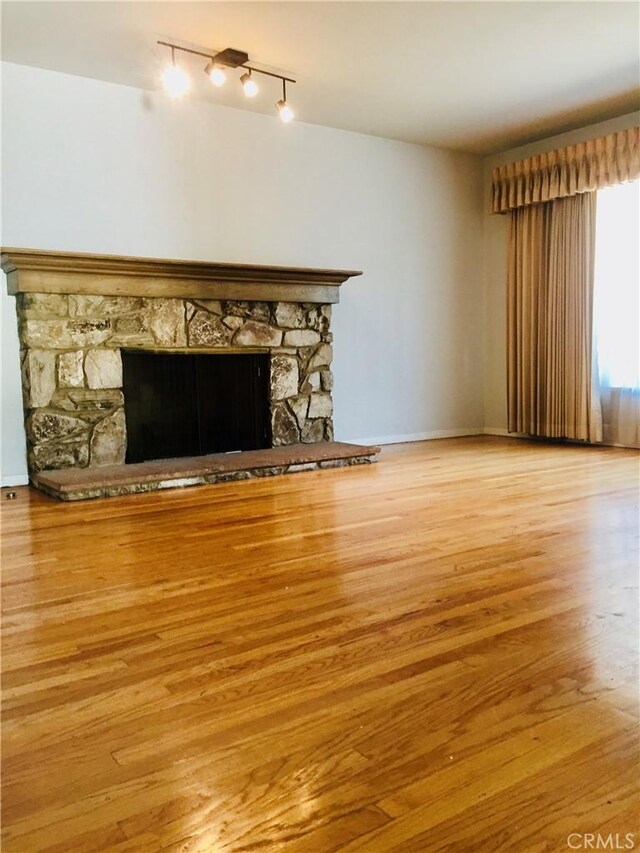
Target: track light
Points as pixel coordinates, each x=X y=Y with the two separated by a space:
x=249 y=85
x=215 y=73
x=286 y=113
x=175 y=80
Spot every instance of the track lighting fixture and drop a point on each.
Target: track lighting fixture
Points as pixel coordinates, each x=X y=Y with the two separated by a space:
x=215 y=73
x=285 y=111
x=177 y=82
x=249 y=85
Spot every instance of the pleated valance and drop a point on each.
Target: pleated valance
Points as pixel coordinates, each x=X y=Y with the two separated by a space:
x=587 y=166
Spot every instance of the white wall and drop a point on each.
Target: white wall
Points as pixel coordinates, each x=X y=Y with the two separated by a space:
x=96 y=167
x=495 y=260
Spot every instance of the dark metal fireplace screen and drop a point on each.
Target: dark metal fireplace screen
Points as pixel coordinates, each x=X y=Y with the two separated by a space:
x=186 y=404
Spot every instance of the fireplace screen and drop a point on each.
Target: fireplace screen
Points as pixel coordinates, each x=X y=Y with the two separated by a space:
x=186 y=404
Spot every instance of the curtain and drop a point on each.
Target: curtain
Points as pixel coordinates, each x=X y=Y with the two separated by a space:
x=568 y=171
x=552 y=383
x=617 y=312
x=621 y=416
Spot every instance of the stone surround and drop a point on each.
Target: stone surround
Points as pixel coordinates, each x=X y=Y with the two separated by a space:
x=72 y=367
x=78 y=312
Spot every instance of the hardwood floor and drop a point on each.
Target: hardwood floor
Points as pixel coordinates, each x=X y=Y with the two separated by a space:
x=435 y=653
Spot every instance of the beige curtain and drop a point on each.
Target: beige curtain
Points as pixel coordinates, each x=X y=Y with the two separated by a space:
x=580 y=168
x=621 y=416
x=552 y=385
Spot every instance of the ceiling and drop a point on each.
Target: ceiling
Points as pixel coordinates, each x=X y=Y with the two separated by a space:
x=472 y=76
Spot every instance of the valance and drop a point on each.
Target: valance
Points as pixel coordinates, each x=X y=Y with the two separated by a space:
x=587 y=166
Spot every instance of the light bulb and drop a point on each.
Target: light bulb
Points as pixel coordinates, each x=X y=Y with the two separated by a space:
x=286 y=113
x=249 y=85
x=215 y=73
x=176 y=81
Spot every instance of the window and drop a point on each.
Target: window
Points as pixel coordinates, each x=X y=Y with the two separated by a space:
x=617 y=286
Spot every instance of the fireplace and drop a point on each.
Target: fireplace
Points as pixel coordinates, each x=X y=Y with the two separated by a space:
x=185 y=404
x=126 y=361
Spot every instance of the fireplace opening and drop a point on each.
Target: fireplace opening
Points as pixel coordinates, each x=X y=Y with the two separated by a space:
x=191 y=404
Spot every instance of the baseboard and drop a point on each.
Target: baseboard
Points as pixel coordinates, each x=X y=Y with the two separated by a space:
x=15 y=480
x=417 y=436
x=505 y=433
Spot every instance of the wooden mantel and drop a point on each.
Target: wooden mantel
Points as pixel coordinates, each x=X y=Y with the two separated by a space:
x=33 y=271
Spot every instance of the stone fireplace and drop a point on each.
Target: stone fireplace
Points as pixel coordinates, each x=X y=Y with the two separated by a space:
x=78 y=313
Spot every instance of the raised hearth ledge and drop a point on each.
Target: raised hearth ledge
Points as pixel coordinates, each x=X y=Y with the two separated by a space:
x=73 y=484
x=34 y=271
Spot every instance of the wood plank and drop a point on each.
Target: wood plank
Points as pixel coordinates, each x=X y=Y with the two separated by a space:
x=438 y=652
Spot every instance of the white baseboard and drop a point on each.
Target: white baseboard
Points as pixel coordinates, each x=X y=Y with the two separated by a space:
x=415 y=436
x=15 y=480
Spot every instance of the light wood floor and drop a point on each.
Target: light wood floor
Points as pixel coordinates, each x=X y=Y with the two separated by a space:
x=435 y=653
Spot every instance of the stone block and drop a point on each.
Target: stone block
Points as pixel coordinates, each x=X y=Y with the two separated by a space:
x=60 y=454
x=284 y=429
x=65 y=334
x=304 y=354
x=70 y=372
x=85 y=306
x=326 y=379
x=208 y=330
x=302 y=466
x=273 y=471
x=284 y=377
x=40 y=366
x=109 y=440
x=319 y=318
x=289 y=315
x=132 y=331
x=311 y=382
x=252 y=310
x=133 y=325
x=86 y=333
x=255 y=334
x=85 y=398
x=91 y=410
x=232 y=322
x=320 y=406
x=299 y=406
x=43 y=426
x=322 y=357
x=213 y=306
x=45 y=305
x=312 y=432
x=103 y=368
x=166 y=319
x=122 y=306
x=301 y=338
x=259 y=311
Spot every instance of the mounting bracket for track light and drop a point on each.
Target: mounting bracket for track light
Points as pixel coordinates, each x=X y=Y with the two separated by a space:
x=231 y=57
